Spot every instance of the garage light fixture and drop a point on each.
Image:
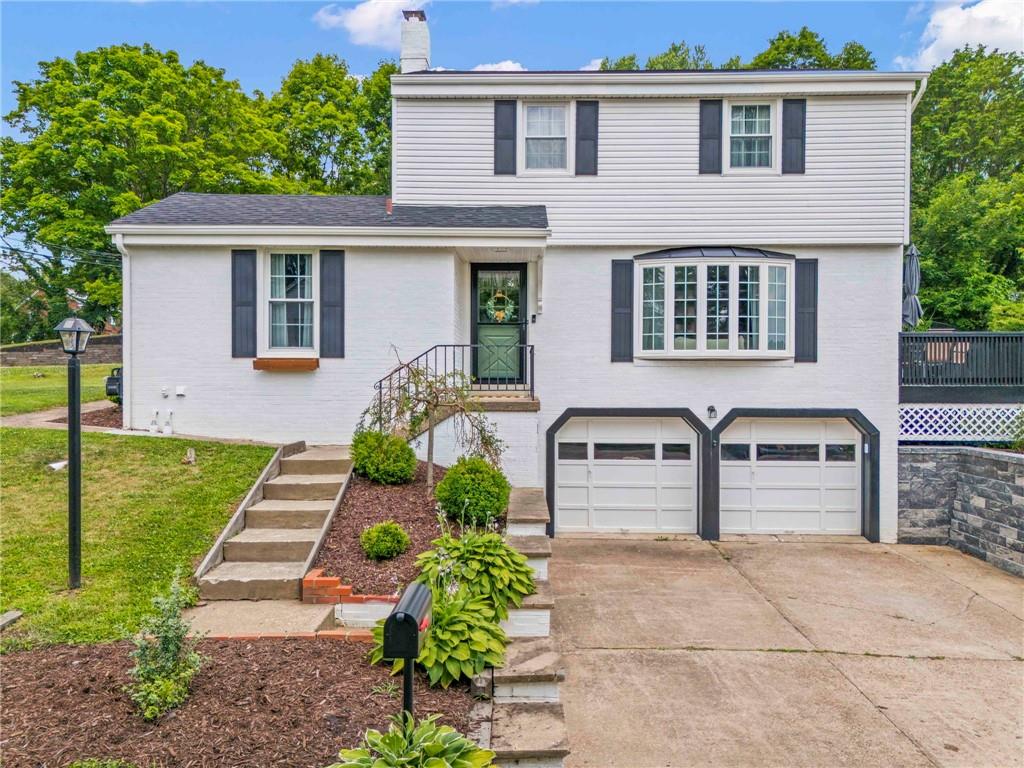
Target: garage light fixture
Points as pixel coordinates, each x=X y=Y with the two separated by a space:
x=712 y=412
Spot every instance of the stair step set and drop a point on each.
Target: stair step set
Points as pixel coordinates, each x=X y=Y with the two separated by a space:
x=270 y=544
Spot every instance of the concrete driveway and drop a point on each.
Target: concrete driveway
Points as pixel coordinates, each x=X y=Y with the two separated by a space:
x=771 y=653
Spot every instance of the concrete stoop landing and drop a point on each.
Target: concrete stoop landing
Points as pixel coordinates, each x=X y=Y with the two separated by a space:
x=270 y=544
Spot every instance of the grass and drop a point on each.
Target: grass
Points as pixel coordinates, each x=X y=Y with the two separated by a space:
x=23 y=391
x=144 y=513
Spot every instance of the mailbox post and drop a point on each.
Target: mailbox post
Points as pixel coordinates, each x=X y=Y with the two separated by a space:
x=404 y=632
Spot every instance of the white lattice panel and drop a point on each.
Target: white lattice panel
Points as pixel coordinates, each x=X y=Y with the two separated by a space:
x=966 y=423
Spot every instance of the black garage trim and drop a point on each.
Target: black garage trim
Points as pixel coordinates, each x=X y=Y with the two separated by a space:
x=869 y=467
x=707 y=524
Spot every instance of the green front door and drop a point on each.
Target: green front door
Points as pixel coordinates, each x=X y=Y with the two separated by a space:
x=499 y=328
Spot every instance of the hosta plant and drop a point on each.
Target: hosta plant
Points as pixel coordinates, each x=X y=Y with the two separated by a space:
x=463 y=639
x=484 y=563
x=409 y=744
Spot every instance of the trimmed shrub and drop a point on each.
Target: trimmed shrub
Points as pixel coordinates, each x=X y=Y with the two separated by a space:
x=484 y=563
x=384 y=540
x=463 y=639
x=165 y=658
x=382 y=458
x=473 y=492
x=408 y=745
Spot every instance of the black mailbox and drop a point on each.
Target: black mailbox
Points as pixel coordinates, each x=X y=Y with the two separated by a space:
x=113 y=384
x=408 y=623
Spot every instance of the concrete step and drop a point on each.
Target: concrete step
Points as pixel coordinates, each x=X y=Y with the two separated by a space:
x=318 y=460
x=529 y=734
x=537 y=550
x=532 y=672
x=527 y=512
x=533 y=618
x=245 y=617
x=269 y=545
x=303 y=486
x=288 y=513
x=253 y=581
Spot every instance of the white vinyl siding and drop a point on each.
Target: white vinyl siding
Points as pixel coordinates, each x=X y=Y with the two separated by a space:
x=648 y=190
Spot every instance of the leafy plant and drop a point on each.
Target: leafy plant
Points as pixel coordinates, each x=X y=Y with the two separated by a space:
x=473 y=491
x=411 y=745
x=385 y=459
x=484 y=563
x=165 y=658
x=463 y=639
x=384 y=540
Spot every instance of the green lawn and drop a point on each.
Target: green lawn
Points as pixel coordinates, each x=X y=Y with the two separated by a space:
x=143 y=511
x=22 y=391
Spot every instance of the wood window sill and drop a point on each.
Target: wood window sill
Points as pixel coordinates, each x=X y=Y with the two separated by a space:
x=286 y=363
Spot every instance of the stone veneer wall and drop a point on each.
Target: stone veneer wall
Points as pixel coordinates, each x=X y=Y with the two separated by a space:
x=969 y=498
x=101 y=349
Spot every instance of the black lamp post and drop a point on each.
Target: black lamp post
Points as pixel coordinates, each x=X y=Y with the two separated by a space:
x=74 y=337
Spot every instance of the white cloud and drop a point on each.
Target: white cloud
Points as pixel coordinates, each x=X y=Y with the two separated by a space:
x=592 y=65
x=372 y=22
x=501 y=66
x=994 y=23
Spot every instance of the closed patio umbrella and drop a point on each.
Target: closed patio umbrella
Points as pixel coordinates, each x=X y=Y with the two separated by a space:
x=912 y=310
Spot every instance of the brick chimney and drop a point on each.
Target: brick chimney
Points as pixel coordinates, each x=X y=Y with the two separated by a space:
x=415 y=41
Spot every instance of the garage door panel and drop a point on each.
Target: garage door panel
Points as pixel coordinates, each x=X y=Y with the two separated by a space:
x=623 y=430
x=624 y=472
x=787 y=475
x=841 y=498
x=677 y=497
x=616 y=495
x=625 y=518
x=572 y=473
x=842 y=522
x=788 y=519
x=847 y=476
x=783 y=498
x=732 y=520
x=573 y=517
x=573 y=495
x=677 y=519
x=786 y=432
x=841 y=430
x=736 y=497
x=735 y=475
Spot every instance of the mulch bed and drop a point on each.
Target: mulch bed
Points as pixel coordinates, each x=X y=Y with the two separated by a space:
x=263 y=703
x=412 y=506
x=105 y=417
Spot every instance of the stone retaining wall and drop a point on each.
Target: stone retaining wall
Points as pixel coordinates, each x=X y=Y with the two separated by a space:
x=101 y=349
x=969 y=498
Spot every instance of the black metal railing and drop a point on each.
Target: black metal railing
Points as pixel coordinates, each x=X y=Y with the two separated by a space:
x=983 y=364
x=485 y=368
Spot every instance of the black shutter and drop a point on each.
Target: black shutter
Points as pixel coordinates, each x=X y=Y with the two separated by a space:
x=243 y=303
x=794 y=131
x=622 y=310
x=806 y=332
x=505 y=138
x=586 y=138
x=332 y=303
x=711 y=136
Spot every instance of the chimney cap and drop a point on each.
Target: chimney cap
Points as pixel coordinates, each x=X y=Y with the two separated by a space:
x=415 y=14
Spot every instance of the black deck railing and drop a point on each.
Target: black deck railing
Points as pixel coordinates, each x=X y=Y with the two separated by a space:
x=486 y=368
x=961 y=366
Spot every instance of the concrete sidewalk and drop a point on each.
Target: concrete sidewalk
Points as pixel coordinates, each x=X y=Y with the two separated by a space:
x=45 y=419
x=771 y=653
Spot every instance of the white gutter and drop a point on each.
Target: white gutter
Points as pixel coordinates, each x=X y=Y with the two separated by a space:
x=389 y=232
x=720 y=76
x=126 y=337
x=919 y=94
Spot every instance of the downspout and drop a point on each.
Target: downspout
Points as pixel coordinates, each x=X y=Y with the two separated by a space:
x=126 y=338
x=919 y=94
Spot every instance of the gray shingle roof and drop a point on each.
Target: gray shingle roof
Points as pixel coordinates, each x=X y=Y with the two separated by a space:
x=190 y=208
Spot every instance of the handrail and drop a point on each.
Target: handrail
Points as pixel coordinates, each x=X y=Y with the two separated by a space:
x=961 y=359
x=489 y=368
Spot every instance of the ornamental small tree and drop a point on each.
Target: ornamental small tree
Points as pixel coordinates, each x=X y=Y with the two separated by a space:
x=424 y=399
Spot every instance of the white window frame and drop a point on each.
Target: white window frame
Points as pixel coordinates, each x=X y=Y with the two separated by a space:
x=776 y=125
x=570 y=142
x=702 y=352
x=263 y=308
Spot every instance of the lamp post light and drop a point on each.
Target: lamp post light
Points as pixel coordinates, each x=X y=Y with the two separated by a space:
x=74 y=337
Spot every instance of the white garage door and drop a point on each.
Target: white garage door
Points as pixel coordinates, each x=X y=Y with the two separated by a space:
x=790 y=476
x=626 y=475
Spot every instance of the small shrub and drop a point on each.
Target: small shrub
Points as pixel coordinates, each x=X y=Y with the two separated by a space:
x=463 y=639
x=473 y=491
x=384 y=540
x=408 y=745
x=385 y=459
x=165 y=658
x=484 y=563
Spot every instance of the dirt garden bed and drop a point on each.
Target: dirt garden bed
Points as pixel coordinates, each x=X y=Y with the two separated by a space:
x=268 y=703
x=412 y=506
x=104 y=417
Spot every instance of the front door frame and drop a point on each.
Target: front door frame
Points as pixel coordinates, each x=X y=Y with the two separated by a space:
x=474 y=315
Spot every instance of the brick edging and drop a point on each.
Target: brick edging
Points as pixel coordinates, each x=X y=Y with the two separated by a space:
x=342 y=633
x=318 y=589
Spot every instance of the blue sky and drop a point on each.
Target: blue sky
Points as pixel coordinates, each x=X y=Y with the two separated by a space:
x=257 y=42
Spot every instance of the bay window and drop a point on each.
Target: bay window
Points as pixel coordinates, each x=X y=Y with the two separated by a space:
x=720 y=308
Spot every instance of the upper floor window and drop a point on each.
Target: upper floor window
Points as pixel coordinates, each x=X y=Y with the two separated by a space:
x=750 y=136
x=692 y=308
x=546 y=137
x=291 y=302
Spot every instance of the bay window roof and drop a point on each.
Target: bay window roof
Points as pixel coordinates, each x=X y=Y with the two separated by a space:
x=713 y=252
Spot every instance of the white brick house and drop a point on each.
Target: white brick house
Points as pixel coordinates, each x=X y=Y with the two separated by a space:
x=693 y=279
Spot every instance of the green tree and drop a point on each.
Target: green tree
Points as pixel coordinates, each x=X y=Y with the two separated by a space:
x=627 y=62
x=807 y=50
x=376 y=123
x=680 y=56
